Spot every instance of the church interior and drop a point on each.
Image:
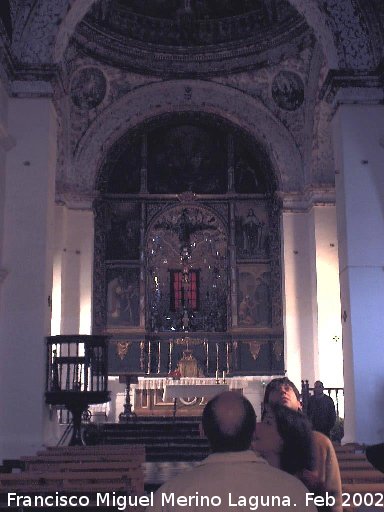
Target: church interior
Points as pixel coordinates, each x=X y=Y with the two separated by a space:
x=191 y=193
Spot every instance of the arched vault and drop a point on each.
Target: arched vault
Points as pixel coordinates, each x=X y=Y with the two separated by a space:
x=158 y=98
x=339 y=25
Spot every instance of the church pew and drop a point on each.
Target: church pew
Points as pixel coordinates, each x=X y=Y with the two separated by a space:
x=350 y=456
x=364 y=475
x=73 y=480
x=57 y=459
x=96 y=465
x=369 y=488
x=75 y=450
x=90 y=457
x=350 y=447
x=354 y=464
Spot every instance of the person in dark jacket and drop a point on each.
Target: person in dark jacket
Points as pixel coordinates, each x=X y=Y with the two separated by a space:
x=321 y=410
x=375 y=455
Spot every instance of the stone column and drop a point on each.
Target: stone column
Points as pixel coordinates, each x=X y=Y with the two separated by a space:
x=27 y=257
x=358 y=145
x=330 y=355
x=312 y=292
x=300 y=320
x=76 y=250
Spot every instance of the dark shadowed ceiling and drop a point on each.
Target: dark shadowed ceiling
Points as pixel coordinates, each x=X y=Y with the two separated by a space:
x=193 y=22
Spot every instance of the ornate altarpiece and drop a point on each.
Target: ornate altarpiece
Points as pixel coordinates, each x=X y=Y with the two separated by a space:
x=188 y=276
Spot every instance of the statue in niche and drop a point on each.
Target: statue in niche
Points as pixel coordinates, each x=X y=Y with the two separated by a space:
x=252 y=229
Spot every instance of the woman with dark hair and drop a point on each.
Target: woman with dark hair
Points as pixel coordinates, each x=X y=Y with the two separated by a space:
x=285 y=439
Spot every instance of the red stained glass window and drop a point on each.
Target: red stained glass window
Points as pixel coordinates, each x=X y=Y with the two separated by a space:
x=184 y=290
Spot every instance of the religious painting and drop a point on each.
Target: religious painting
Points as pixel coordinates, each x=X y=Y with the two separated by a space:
x=123 y=296
x=252 y=230
x=288 y=90
x=123 y=232
x=187 y=158
x=122 y=171
x=251 y=165
x=88 y=88
x=254 y=296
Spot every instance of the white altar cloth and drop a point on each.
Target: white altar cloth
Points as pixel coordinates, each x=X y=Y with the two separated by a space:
x=193 y=390
x=162 y=382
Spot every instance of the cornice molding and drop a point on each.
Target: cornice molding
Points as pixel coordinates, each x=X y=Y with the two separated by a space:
x=176 y=61
x=75 y=200
x=351 y=87
x=25 y=80
x=301 y=202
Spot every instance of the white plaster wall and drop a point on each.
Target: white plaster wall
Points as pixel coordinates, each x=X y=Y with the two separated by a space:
x=300 y=322
x=27 y=255
x=330 y=354
x=76 y=270
x=358 y=135
x=57 y=270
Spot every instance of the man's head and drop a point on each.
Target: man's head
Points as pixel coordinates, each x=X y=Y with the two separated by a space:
x=229 y=422
x=318 y=388
x=282 y=391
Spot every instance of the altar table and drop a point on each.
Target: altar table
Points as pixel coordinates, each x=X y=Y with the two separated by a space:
x=198 y=390
x=175 y=391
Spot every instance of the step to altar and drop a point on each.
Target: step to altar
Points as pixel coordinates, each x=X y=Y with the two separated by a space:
x=165 y=438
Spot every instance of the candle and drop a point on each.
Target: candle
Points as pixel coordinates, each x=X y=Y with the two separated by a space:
x=217 y=375
x=224 y=376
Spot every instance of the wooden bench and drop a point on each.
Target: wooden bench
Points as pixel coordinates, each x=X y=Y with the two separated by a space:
x=355 y=464
x=350 y=447
x=71 y=480
x=350 y=456
x=361 y=475
x=97 y=448
x=115 y=458
x=96 y=465
x=364 y=487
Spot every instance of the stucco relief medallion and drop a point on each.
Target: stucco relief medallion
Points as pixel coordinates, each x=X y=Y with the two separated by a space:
x=288 y=90
x=88 y=88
